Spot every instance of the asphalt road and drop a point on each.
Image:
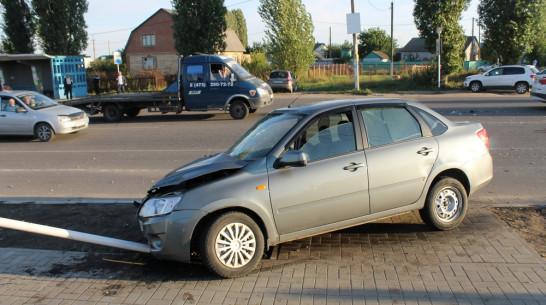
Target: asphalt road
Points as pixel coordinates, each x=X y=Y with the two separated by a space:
x=118 y=161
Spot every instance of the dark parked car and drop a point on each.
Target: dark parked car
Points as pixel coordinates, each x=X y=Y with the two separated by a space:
x=282 y=80
x=307 y=170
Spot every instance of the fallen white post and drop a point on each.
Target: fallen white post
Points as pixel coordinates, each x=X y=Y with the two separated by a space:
x=74 y=235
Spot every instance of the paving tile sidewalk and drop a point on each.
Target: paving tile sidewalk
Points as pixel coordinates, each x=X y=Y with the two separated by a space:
x=396 y=261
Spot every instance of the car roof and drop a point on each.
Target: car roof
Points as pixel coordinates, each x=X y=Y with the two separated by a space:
x=17 y=92
x=327 y=105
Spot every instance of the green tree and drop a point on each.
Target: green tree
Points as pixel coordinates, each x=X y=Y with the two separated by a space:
x=199 y=26
x=374 y=39
x=61 y=26
x=258 y=65
x=288 y=34
x=511 y=27
x=18 y=27
x=235 y=20
x=431 y=14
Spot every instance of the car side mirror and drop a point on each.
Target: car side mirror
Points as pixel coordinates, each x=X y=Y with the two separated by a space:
x=292 y=158
x=232 y=77
x=20 y=110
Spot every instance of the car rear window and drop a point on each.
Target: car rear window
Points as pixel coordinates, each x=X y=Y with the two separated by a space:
x=279 y=74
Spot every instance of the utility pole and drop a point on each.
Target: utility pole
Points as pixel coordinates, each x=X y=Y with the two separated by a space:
x=392 y=41
x=94 y=52
x=355 y=53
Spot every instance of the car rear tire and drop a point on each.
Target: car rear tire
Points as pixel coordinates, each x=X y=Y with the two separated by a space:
x=522 y=87
x=446 y=204
x=44 y=132
x=475 y=86
x=232 y=245
x=112 y=113
x=238 y=110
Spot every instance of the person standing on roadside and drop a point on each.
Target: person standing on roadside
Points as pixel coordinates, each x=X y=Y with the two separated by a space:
x=96 y=83
x=68 y=86
x=121 y=82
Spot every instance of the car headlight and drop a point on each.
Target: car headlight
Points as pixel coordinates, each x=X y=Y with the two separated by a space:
x=262 y=92
x=159 y=206
x=63 y=118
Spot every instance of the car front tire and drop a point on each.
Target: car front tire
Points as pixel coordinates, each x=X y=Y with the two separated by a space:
x=475 y=86
x=44 y=132
x=238 y=110
x=232 y=245
x=446 y=204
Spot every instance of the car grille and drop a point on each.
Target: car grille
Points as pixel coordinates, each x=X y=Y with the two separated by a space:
x=77 y=116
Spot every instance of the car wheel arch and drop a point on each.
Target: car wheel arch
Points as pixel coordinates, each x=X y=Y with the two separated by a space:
x=207 y=219
x=454 y=173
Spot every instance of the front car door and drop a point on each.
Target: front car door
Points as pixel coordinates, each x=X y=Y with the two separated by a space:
x=400 y=153
x=494 y=78
x=14 y=120
x=223 y=84
x=332 y=187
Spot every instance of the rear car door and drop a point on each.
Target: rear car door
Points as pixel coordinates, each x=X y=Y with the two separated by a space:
x=400 y=154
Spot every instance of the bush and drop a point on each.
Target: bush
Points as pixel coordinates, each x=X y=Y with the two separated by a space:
x=258 y=65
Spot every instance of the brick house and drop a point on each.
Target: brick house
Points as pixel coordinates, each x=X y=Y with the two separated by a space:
x=151 y=48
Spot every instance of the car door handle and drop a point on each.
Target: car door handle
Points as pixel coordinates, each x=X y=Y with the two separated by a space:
x=353 y=166
x=425 y=151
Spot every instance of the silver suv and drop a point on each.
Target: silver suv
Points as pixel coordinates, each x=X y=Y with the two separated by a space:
x=518 y=77
x=307 y=170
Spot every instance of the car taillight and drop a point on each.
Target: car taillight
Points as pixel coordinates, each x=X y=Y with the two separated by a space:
x=532 y=76
x=542 y=81
x=482 y=133
x=289 y=79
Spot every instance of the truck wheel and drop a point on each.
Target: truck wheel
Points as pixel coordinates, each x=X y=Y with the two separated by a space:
x=446 y=204
x=232 y=245
x=44 y=132
x=238 y=110
x=112 y=113
x=132 y=112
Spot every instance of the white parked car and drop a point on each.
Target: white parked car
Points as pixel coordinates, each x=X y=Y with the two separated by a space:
x=518 y=77
x=31 y=113
x=539 y=86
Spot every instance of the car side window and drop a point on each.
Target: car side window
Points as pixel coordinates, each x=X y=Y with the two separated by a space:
x=436 y=126
x=496 y=72
x=195 y=73
x=385 y=125
x=513 y=71
x=327 y=136
x=9 y=104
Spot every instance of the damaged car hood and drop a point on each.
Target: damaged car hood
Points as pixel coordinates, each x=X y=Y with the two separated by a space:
x=199 y=169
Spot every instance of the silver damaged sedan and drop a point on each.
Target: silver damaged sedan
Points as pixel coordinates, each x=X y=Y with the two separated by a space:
x=31 y=113
x=311 y=169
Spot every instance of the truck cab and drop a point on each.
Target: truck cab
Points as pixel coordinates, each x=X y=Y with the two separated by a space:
x=217 y=82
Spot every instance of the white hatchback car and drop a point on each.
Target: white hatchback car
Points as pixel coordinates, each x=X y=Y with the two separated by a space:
x=31 y=113
x=518 y=77
x=539 y=86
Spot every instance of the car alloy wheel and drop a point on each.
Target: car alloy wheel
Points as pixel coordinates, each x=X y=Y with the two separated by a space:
x=44 y=132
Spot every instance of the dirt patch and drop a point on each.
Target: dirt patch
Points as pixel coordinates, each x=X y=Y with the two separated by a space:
x=528 y=223
x=120 y=221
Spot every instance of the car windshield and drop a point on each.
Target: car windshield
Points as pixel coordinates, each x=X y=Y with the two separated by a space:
x=263 y=136
x=36 y=101
x=240 y=71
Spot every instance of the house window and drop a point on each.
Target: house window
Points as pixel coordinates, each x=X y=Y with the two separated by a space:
x=149 y=63
x=148 y=40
